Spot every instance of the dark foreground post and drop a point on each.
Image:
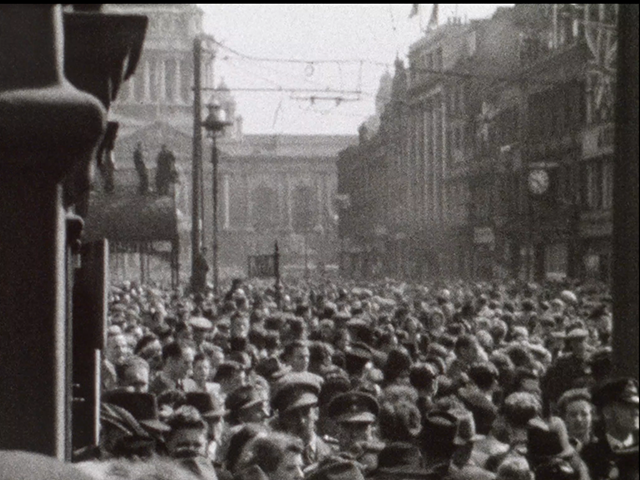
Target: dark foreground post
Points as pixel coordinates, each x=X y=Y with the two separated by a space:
x=625 y=211
x=47 y=127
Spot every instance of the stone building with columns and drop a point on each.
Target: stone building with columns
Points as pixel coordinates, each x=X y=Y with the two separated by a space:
x=161 y=89
x=277 y=188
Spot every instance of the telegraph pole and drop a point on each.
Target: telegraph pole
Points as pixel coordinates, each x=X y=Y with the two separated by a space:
x=196 y=171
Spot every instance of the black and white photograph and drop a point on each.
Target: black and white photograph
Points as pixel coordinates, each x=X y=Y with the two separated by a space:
x=319 y=242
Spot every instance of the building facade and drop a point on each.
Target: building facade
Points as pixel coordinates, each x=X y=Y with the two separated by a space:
x=486 y=108
x=276 y=188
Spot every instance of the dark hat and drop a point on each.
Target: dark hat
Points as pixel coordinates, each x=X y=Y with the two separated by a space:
x=545 y=441
x=398 y=361
x=360 y=351
x=295 y=390
x=623 y=390
x=354 y=407
x=143 y=407
x=200 y=323
x=228 y=367
x=16 y=465
x=400 y=458
x=439 y=428
x=336 y=469
x=242 y=398
x=466 y=432
x=272 y=369
x=120 y=418
x=209 y=405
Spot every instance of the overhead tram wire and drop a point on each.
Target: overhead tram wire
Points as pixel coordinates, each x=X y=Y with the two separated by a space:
x=361 y=63
x=320 y=94
x=244 y=71
x=277 y=72
x=301 y=61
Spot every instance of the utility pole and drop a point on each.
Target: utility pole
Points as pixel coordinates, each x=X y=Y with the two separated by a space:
x=196 y=171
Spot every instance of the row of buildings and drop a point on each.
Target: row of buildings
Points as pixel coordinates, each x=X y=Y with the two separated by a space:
x=493 y=154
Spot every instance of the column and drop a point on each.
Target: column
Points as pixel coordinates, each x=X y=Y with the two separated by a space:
x=146 y=78
x=178 y=88
x=162 y=81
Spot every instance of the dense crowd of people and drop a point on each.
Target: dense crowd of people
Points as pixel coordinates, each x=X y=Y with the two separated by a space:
x=386 y=380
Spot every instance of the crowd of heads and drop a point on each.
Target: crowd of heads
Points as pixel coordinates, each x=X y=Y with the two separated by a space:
x=333 y=380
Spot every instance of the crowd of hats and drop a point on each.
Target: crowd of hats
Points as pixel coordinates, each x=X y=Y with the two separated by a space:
x=384 y=353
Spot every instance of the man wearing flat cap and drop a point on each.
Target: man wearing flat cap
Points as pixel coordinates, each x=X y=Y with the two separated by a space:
x=355 y=414
x=617 y=401
x=201 y=328
x=295 y=398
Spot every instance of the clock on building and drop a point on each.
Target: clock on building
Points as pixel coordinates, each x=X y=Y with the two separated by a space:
x=538 y=181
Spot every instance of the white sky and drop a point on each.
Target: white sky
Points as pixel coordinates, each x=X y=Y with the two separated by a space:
x=373 y=33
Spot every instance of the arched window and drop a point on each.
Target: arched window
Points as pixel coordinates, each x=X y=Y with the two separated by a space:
x=265 y=208
x=303 y=209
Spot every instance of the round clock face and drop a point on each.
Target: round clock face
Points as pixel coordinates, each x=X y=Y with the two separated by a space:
x=538 y=181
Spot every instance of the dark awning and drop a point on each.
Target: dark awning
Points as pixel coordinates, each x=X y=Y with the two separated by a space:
x=131 y=218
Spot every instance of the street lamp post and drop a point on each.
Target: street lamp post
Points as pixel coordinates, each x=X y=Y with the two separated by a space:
x=215 y=123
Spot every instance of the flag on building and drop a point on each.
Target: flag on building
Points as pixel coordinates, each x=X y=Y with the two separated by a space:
x=433 y=20
x=415 y=9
